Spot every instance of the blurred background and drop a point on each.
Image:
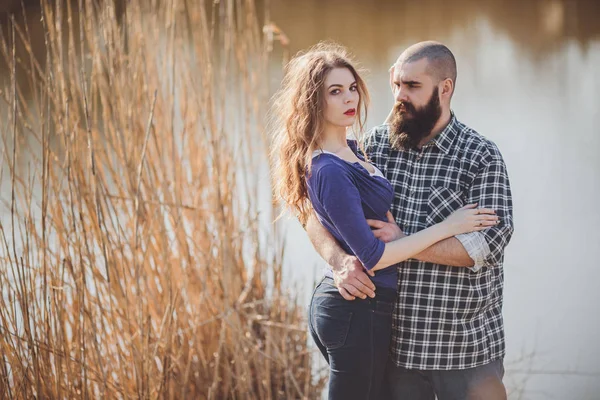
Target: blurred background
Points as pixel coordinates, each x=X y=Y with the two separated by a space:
x=528 y=79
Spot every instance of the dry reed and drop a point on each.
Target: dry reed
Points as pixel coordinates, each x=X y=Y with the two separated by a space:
x=133 y=259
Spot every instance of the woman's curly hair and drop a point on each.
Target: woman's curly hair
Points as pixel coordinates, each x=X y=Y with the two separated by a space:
x=297 y=120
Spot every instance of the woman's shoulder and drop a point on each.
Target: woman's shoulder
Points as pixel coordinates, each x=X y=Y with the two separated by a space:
x=328 y=166
x=326 y=163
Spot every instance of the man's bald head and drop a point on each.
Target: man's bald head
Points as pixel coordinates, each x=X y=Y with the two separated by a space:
x=441 y=63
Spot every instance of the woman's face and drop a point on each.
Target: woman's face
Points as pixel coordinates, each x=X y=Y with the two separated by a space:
x=341 y=98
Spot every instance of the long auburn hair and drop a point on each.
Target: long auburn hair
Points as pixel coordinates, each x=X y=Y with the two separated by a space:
x=298 y=120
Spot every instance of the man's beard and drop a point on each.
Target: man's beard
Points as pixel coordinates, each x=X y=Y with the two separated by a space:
x=408 y=129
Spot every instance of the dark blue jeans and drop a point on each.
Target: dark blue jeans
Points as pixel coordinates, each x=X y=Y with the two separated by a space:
x=354 y=337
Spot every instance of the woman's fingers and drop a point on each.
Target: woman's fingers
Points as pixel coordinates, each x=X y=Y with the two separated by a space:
x=488 y=223
x=486 y=217
x=390 y=218
x=481 y=225
x=484 y=226
x=478 y=210
x=373 y=223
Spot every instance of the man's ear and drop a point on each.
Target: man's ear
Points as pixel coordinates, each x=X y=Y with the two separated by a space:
x=447 y=88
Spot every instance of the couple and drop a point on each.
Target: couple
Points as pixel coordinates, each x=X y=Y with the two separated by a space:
x=411 y=305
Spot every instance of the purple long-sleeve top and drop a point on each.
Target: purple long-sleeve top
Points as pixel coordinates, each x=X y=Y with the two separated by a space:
x=344 y=195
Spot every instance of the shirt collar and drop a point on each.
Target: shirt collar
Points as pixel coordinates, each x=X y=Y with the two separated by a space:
x=444 y=139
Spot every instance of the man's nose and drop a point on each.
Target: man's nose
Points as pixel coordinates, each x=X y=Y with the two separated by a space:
x=401 y=95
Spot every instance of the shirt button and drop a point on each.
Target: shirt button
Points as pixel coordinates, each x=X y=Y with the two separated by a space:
x=412 y=191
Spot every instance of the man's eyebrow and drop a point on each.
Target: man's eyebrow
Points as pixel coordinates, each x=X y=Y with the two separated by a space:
x=411 y=82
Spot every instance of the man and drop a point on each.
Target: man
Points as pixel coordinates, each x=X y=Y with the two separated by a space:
x=448 y=334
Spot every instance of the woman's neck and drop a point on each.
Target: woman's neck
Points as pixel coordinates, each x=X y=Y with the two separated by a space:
x=334 y=139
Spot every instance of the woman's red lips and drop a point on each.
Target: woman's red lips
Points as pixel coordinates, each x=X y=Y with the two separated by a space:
x=350 y=112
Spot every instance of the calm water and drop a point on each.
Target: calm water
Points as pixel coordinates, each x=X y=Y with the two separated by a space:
x=527 y=79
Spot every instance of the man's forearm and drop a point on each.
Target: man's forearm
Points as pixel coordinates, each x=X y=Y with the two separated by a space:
x=323 y=242
x=446 y=252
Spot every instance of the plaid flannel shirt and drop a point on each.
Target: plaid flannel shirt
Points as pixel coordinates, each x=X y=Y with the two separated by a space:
x=448 y=317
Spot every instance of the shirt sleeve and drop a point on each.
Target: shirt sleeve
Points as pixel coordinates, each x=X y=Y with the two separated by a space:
x=476 y=246
x=341 y=201
x=490 y=189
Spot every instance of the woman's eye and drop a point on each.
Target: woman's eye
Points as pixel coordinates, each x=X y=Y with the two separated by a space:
x=334 y=92
x=353 y=88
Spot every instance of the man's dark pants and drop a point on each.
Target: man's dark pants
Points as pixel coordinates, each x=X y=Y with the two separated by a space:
x=479 y=383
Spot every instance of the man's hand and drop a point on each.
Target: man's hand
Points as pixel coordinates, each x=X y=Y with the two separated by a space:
x=351 y=279
x=386 y=231
x=349 y=275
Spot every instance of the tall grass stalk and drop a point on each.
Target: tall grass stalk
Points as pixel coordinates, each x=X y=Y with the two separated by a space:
x=135 y=261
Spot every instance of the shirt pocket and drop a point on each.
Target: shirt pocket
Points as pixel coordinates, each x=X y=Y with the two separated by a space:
x=442 y=202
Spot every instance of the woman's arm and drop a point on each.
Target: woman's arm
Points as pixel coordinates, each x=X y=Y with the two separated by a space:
x=466 y=219
x=342 y=203
x=407 y=247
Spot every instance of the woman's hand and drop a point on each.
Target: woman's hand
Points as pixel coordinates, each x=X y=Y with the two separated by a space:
x=386 y=231
x=470 y=219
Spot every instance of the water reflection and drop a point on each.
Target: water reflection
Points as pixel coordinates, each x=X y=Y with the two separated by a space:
x=537 y=27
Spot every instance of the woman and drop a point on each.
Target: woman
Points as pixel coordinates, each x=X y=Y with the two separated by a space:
x=318 y=169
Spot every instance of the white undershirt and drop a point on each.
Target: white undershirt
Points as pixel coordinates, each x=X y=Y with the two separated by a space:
x=376 y=173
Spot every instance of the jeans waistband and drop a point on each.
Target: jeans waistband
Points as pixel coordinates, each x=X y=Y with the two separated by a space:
x=381 y=294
